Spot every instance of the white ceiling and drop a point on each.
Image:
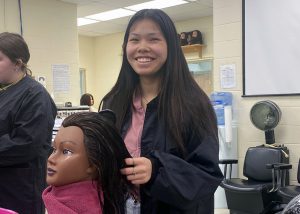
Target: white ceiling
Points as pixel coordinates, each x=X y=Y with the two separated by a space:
x=195 y=9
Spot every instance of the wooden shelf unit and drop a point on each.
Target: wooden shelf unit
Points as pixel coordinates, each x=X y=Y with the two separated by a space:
x=196 y=48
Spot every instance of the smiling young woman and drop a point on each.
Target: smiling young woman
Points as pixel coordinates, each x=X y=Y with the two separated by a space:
x=166 y=121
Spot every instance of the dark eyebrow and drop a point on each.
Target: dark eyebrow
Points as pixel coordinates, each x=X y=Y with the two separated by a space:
x=72 y=142
x=149 y=34
x=133 y=34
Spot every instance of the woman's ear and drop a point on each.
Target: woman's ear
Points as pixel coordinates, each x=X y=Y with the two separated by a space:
x=18 y=64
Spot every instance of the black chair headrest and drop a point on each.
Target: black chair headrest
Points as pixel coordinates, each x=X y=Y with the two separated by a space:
x=256 y=160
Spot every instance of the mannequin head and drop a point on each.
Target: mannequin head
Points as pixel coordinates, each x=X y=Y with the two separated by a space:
x=87 y=99
x=69 y=162
x=88 y=147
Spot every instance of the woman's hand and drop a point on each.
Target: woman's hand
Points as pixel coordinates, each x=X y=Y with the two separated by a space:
x=138 y=171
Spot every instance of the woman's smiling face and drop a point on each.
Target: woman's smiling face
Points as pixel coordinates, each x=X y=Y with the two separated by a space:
x=146 y=48
x=68 y=162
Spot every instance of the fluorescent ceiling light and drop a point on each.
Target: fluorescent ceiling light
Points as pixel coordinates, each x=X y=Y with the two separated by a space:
x=84 y=21
x=111 y=14
x=156 y=4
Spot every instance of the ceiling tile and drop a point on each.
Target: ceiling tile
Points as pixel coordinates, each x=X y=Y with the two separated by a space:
x=193 y=10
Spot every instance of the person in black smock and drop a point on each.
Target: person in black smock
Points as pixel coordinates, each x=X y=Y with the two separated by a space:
x=166 y=120
x=27 y=115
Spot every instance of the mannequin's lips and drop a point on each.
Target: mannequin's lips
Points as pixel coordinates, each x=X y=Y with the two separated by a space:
x=50 y=171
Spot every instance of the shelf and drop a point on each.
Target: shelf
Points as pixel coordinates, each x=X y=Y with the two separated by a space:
x=200 y=59
x=197 y=48
x=72 y=108
x=200 y=67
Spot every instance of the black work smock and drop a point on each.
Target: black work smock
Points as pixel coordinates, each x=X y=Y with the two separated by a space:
x=27 y=115
x=178 y=185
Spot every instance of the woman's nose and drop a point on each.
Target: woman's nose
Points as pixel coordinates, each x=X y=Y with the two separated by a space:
x=144 y=46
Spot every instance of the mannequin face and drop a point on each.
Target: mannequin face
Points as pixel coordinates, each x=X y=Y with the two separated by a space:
x=92 y=101
x=7 y=69
x=69 y=162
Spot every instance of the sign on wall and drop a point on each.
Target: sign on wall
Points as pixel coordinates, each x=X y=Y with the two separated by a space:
x=61 y=77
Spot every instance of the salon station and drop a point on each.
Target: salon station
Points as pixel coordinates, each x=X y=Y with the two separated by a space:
x=244 y=63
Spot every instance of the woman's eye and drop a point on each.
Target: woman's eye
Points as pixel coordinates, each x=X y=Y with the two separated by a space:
x=67 y=152
x=133 y=39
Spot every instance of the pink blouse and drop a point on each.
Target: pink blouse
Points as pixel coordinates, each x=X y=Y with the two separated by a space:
x=134 y=133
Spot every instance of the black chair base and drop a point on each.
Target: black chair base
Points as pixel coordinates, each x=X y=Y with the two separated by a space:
x=236 y=212
x=287 y=193
x=257 y=203
x=273 y=208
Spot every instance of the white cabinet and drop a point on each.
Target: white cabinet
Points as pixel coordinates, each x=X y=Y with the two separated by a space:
x=200 y=67
x=201 y=70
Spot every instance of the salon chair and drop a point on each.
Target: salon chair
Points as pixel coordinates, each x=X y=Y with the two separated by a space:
x=288 y=192
x=257 y=193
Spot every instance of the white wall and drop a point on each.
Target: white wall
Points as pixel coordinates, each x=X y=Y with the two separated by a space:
x=227 y=27
x=9 y=16
x=87 y=61
x=50 y=30
x=108 y=63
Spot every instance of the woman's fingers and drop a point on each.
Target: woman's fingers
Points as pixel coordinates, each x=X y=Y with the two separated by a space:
x=138 y=171
x=129 y=161
x=127 y=171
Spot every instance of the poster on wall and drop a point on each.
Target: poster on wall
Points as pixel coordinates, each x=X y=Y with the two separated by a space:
x=227 y=76
x=61 y=77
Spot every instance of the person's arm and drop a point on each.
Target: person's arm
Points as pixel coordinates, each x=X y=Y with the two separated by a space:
x=31 y=130
x=182 y=183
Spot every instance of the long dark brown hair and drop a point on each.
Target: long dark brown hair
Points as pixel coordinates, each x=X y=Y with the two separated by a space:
x=15 y=48
x=182 y=104
x=106 y=151
x=86 y=99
